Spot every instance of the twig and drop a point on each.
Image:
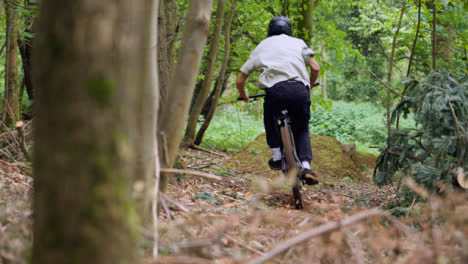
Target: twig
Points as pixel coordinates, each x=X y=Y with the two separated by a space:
x=154 y=206
x=356 y=248
x=18 y=181
x=166 y=209
x=325 y=228
x=194 y=173
x=458 y=132
x=384 y=84
x=178 y=205
x=208 y=151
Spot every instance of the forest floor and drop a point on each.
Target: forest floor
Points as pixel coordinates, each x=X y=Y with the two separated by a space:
x=249 y=212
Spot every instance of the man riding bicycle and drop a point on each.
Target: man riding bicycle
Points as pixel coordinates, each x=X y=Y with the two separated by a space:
x=283 y=62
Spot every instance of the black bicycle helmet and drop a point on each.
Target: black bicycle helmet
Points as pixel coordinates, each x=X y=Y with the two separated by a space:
x=279 y=25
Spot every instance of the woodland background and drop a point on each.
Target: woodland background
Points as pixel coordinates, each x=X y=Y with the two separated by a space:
x=100 y=100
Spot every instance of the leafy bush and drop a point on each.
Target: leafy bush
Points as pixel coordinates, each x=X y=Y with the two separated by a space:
x=352 y=122
x=438 y=145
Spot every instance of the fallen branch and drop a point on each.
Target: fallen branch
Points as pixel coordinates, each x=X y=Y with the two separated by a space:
x=384 y=84
x=208 y=151
x=458 y=132
x=325 y=228
x=194 y=173
x=22 y=139
x=178 y=205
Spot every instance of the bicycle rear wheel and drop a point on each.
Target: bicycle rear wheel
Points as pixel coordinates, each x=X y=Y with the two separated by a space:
x=288 y=149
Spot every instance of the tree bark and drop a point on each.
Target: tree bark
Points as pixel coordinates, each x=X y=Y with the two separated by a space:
x=11 y=111
x=206 y=85
x=146 y=117
x=222 y=74
x=163 y=60
x=306 y=24
x=87 y=73
x=182 y=83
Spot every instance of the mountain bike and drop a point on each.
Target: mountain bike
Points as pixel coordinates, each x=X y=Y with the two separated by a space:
x=290 y=162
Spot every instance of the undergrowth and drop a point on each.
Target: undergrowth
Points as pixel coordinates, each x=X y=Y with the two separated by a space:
x=358 y=123
x=232 y=129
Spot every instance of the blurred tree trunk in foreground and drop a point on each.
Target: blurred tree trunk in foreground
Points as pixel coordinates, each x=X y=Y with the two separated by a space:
x=201 y=97
x=89 y=69
x=175 y=109
x=11 y=111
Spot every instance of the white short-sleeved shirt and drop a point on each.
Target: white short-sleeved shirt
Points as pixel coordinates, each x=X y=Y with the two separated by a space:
x=279 y=58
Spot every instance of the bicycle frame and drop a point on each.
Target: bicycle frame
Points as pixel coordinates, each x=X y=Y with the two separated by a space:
x=285 y=129
x=290 y=160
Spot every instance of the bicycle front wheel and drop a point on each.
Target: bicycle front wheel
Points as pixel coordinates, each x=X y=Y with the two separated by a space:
x=288 y=149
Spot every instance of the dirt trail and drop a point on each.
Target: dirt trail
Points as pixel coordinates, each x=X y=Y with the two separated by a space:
x=251 y=209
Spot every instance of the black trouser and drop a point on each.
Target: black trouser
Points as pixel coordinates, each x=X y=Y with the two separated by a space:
x=293 y=96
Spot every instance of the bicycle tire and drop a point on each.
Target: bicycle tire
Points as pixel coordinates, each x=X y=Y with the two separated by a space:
x=291 y=164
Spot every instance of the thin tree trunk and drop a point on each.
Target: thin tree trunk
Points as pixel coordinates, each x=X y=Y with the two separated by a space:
x=323 y=81
x=84 y=129
x=415 y=40
x=172 y=31
x=25 y=51
x=25 y=47
x=306 y=24
x=11 y=102
x=434 y=26
x=182 y=83
x=222 y=73
x=146 y=117
x=163 y=59
x=206 y=85
x=390 y=70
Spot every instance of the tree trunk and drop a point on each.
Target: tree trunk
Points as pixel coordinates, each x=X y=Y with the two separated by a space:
x=163 y=59
x=390 y=70
x=306 y=24
x=146 y=118
x=323 y=81
x=434 y=39
x=210 y=68
x=222 y=73
x=87 y=72
x=415 y=41
x=11 y=111
x=25 y=47
x=182 y=83
x=209 y=101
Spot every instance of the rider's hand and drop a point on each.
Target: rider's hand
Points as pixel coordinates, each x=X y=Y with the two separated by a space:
x=244 y=98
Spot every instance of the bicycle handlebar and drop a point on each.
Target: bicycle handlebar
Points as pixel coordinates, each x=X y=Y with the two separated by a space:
x=255 y=97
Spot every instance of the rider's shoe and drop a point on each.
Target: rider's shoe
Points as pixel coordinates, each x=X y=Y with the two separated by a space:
x=309 y=177
x=274 y=164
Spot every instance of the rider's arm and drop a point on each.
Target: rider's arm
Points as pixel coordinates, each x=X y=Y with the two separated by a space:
x=241 y=87
x=314 y=71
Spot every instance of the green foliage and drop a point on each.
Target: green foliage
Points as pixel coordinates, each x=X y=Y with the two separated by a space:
x=352 y=122
x=439 y=144
x=232 y=130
